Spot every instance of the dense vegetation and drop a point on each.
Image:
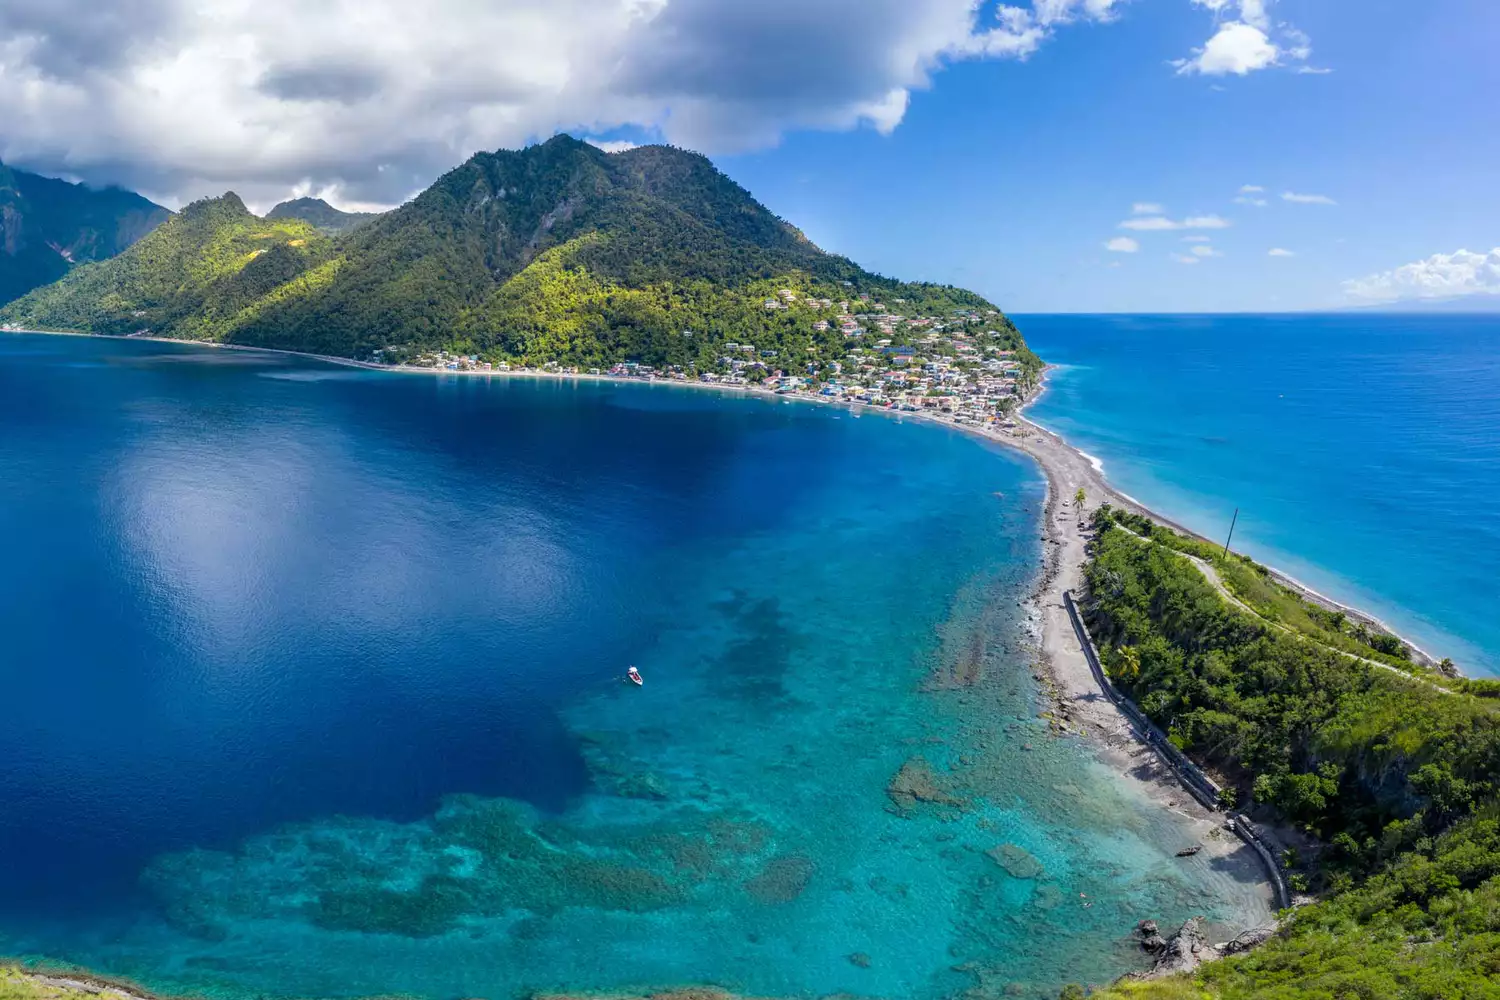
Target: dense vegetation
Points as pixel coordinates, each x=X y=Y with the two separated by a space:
x=1398 y=776
x=46 y=226
x=321 y=214
x=559 y=252
x=205 y=272
x=1254 y=586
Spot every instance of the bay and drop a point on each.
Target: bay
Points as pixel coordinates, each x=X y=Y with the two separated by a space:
x=315 y=689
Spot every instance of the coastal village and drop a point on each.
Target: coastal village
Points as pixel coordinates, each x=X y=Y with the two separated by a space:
x=963 y=366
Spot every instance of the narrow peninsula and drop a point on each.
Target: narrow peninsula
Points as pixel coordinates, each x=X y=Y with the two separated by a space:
x=1367 y=768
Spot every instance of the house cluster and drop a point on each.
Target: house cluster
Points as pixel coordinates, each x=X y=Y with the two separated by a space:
x=950 y=366
x=974 y=389
x=940 y=365
x=786 y=297
x=442 y=360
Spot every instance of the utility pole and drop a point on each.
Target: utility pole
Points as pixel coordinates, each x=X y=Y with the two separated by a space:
x=1231 y=533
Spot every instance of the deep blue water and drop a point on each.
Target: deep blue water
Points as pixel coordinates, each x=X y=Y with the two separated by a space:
x=313 y=688
x=1363 y=451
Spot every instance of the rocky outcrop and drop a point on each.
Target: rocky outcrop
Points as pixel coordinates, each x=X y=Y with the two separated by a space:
x=918 y=784
x=34 y=984
x=1182 y=952
x=1017 y=861
x=1248 y=940
x=1186 y=950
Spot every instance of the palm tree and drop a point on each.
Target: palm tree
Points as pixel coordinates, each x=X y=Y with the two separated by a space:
x=1127 y=664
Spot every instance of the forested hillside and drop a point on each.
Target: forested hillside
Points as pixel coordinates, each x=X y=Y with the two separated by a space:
x=559 y=252
x=208 y=270
x=47 y=226
x=1399 y=776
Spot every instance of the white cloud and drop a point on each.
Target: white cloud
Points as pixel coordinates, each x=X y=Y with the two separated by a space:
x=374 y=98
x=1158 y=223
x=1278 y=252
x=1146 y=208
x=1298 y=45
x=1049 y=12
x=1183 y=258
x=1252 y=189
x=1122 y=244
x=1441 y=276
x=1253 y=13
x=1204 y=250
x=1236 y=48
x=1248 y=199
x=1307 y=199
x=1246 y=39
x=613 y=145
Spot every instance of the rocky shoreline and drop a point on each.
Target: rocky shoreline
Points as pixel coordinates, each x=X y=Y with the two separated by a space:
x=18 y=982
x=1079 y=706
x=1188 y=948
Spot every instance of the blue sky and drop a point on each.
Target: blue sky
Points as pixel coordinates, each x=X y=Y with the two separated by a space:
x=1010 y=177
x=1000 y=146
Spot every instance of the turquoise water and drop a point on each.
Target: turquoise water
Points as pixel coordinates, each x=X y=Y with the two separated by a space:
x=316 y=691
x=1363 y=451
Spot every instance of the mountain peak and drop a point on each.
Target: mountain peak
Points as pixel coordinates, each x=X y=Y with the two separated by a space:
x=563 y=140
x=555 y=252
x=321 y=214
x=300 y=204
x=227 y=203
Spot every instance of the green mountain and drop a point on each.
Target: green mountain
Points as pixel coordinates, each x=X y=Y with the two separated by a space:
x=47 y=226
x=321 y=214
x=207 y=270
x=559 y=252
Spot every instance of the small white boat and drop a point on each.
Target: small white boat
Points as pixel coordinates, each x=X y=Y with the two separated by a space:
x=635 y=676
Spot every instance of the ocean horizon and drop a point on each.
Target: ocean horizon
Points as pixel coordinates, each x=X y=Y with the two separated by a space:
x=318 y=690
x=1358 y=448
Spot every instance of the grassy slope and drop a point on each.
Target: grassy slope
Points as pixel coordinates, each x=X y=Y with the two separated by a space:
x=1253 y=584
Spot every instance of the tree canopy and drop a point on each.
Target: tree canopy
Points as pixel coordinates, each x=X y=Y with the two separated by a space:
x=559 y=252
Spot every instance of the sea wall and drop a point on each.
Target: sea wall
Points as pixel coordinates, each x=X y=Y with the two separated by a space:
x=1199 y=785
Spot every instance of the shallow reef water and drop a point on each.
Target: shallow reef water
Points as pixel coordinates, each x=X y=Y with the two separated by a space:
x=835 y=779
